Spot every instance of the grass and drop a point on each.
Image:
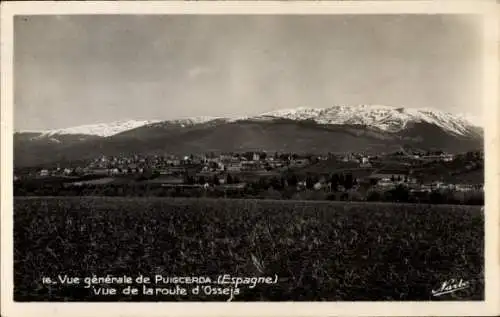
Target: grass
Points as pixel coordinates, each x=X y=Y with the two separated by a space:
x=321 y=251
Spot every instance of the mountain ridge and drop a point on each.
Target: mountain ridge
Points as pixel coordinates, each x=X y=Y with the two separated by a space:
x=387 y=118
x=301 y=130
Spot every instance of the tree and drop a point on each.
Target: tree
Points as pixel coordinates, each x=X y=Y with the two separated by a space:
x=469 y=156
x=374 y=196
x=348 y=183
x=276 y=183
x=400 y=194
x=309 y=182
x=215 y=180
x=201 y=180
x=188 y=179
x=147 y=173
x=263 y=183
x=335 y=180
x=236 y=179
x=292 y=179
x=342 y=179
x=248 y=155
x=436 y=198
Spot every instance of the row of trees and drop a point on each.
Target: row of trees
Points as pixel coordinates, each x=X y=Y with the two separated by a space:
x=268 y=190
x=402 y=194
x=212 y=180
x=347 y=180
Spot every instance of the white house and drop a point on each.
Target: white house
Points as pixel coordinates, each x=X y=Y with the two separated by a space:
x=233 y=167
x=318 y=186
x=365 y=162
x=300 y=162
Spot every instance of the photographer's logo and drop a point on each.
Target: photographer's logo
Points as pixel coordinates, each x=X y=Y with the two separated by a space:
x=450 y=286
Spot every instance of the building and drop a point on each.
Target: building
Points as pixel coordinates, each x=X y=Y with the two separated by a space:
x=44 y=172
x=233 y=167
x=318 y=186
x=468 y=187
x=163 y=171
x=250 y=166
x=225 y=157
x=99 y=171
x=386 y=183
x=447 y=157
x=221 y=166
x=299 y=162
x=441 y=157
x=173 y=162
x=277 y=163
x=365 y=162
x=238 y=186
x=213 y=159
x=388 y=176
x=301 y=185
x=256 y=157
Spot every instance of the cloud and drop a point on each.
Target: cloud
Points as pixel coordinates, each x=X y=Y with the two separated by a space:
x=198 y=71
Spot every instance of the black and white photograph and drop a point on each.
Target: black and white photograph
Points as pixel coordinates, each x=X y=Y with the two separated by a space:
x=249 y=157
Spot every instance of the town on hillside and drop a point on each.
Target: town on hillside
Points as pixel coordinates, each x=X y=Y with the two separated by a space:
x=407 y=176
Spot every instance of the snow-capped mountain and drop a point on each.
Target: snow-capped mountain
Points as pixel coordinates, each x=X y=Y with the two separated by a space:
x=386 y=118
x=116 y=127
x=99 y=129
x=339 y=129
x=186 y=122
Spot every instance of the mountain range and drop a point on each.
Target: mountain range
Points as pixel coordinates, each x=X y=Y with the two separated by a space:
x=336 y=129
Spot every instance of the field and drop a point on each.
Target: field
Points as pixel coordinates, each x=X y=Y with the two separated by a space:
x=320 y=251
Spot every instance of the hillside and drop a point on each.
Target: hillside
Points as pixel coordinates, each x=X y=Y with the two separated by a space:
x=315 y=132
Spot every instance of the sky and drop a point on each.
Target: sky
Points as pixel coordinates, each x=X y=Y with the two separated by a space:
x=72 y=70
